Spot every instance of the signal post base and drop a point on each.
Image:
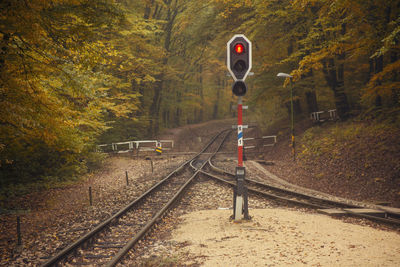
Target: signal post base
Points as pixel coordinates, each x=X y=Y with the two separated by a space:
x=240 y=206
x=240 y=196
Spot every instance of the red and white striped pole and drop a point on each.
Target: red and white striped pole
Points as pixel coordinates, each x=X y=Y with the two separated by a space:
x=240 y=132
x=239 y=197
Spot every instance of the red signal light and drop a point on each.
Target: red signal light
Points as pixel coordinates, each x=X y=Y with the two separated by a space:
x=239 y=48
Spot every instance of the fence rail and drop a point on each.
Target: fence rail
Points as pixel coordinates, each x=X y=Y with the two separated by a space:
x=143 y=145
x=262 y=139
x=321 y=116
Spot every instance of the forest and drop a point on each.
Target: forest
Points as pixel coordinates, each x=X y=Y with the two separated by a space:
x=78 y=73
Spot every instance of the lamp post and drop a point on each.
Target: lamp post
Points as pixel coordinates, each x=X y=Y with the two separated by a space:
x=285 y=75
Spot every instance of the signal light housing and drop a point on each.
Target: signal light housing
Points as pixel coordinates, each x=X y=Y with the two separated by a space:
x=239 y=57
x=239 y=88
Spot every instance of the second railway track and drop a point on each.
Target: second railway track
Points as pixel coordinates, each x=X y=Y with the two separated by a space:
x=298 y=198
x=108 y=242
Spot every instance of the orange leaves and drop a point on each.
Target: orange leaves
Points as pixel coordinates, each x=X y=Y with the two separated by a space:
x=386 y=74
x=382 y=83
x=230 y=6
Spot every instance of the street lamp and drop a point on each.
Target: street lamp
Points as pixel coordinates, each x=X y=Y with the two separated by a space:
x=285 y=75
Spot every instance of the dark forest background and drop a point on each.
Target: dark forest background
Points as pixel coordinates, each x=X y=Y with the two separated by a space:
x=78 y=73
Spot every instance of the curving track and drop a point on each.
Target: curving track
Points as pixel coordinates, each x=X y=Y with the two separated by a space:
x=109 y=241
x=293 y=197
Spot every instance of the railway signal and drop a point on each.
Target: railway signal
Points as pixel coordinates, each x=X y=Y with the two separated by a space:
x=239 y=64
x=239 y=57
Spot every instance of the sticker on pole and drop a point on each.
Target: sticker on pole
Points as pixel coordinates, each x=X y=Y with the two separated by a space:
x=240 y=135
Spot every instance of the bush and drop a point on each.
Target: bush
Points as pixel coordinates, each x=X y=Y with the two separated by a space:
x=45 y=169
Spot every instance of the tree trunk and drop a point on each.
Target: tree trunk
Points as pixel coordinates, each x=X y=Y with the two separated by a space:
x=336 y=85
x=297 y=110
x=147 y=9
x=378 y=68
x=201 y=111
x=177 y=116
x=311 y=97
x=312 y=103
x=395 y=92
x=155 y=108
x=220 y=85
x=156 y=104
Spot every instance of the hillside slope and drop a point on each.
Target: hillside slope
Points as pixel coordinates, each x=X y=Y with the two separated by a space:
x=357 y=160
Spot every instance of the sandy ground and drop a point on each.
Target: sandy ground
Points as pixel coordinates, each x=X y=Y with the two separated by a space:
x=279 y=237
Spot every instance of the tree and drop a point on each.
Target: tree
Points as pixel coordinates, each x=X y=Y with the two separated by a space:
x=54 y=84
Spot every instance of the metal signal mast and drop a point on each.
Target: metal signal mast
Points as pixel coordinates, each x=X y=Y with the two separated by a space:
x=239 y=63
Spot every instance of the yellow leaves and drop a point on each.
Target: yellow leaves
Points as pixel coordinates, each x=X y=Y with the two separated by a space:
x=125 y=33
x=120 y=110
x=381 y=83
x=149 y=78
x=48 y=137
x=385 y=90
x=388 y=70
x=312 y=61
x=58 y=82
x=102 y=89
x=302 y=4
x=230 y=6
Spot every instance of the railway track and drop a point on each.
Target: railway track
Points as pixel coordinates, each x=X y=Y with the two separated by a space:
x=108 y=242
x=297 y=198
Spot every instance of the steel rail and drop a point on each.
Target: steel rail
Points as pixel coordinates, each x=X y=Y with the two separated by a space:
x=297 y=202
x=117 y=258
x=391 y=217
x=64 y=253
x=263 y=193
x=283 y=190
x=212 y=154
x=81 y=241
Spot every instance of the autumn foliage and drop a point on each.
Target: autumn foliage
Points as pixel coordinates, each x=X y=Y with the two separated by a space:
x=76 y=73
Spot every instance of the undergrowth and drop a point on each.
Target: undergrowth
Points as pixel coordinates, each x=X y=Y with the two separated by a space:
x=361 y=138
x=67 y=175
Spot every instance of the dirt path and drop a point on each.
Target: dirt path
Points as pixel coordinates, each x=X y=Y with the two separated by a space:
x=279 y=237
